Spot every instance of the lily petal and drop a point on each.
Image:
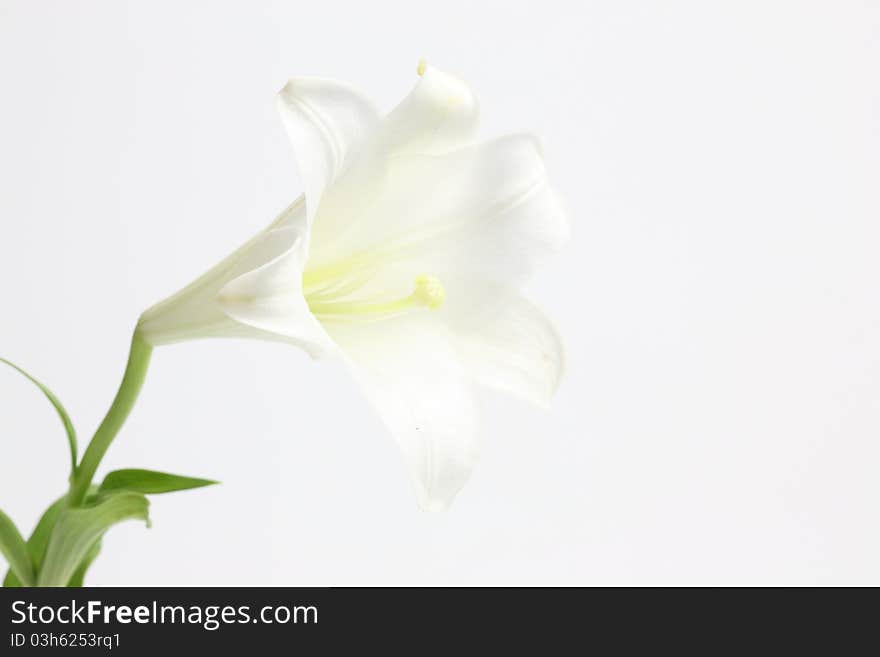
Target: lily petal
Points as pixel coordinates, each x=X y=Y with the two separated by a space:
x=440 y=114
x=329 y=123
x=408 y=369
x=516 y=349
x=193 y=312
x=269 y=298
x=480 y=219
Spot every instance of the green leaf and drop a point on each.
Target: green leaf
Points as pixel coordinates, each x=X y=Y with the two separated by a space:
x=91 y=555
x=150 y=482
x=15 y=550
x=78 y=529
x=65 y=418
x=39 y=539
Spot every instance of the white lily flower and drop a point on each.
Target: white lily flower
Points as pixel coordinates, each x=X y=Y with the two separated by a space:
x=405 y=257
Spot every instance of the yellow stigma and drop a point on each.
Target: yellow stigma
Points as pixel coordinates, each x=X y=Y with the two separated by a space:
x=429 y=293
x=423 y=64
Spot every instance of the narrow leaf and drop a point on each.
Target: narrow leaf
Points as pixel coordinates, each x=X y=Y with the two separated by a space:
x=150 y=482
x=39 y=539
x=65 y=418
x=77 y=530
x=80 y=574
x=15 y=550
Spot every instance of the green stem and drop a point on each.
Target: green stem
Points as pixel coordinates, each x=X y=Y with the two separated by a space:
x=132 y=381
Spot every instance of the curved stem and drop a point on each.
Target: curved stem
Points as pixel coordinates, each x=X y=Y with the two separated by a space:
x=132 y=381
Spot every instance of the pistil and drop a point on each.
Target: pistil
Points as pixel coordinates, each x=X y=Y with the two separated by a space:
x=428 y=293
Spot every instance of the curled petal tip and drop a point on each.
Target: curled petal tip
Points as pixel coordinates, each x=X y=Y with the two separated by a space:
x=434 y=502
x=537 y=143
x=435 y=507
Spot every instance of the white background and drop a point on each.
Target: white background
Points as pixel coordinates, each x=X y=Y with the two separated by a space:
x=720 y=418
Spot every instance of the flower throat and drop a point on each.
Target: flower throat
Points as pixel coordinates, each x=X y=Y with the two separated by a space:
x=428 y=293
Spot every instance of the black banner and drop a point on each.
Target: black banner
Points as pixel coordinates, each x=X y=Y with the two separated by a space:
x=323 y=621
